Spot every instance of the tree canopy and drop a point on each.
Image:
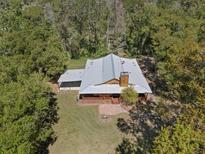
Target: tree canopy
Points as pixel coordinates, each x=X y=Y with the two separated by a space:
x=179 y=139
x=38 y=37
x=171 y=32
x=31 y=53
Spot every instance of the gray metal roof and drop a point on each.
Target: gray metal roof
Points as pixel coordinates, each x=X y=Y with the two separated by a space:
x=102 y=89
x=103 y=69
x=71 y=75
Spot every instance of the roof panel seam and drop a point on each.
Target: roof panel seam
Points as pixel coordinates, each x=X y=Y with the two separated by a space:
x=112 y=60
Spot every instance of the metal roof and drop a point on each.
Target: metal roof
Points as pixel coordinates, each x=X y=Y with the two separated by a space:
x=71 y=75
x=101 y=70
x=102 y=89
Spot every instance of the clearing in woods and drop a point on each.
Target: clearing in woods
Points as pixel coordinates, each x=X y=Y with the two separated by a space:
x=81 y=130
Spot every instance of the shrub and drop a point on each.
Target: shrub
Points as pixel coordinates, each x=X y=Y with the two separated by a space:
x=129 y=95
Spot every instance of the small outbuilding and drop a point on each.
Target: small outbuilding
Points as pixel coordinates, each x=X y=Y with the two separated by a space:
x=71 y=79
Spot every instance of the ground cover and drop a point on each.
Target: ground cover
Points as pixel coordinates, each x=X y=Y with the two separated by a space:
x=80 y=129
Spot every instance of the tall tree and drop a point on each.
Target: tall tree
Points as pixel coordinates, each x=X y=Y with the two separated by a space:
x=30 y=51
x=171 y=33
x=30 y=35
x=179 y=139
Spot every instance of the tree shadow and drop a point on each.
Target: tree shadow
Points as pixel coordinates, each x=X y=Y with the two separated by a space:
x=157 y=84
x=145 y=123
x=148 y=66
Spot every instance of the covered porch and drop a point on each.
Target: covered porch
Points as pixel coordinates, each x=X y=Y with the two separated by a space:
x=106 y=98
x=100 y=98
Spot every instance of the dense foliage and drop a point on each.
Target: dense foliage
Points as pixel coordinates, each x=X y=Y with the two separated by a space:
x=82 y=25
x=27 y=113
x=24 y=32
x=88 y=27
x=172 y=33
x=37 y=37
x=179 y=139
x=30 y=54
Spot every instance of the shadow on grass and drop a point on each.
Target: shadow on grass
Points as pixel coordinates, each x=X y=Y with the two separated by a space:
x=144 y=124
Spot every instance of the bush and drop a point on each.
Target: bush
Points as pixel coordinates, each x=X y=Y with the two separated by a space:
x=129 y=95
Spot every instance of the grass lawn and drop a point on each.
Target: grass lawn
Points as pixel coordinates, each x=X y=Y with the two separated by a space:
x=77 y=63
x=81 y=131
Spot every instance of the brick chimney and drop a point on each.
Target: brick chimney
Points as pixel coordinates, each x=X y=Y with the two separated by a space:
x=124 y=79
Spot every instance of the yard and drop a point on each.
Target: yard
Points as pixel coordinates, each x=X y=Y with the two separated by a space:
x=77 y=63
x=80 y=129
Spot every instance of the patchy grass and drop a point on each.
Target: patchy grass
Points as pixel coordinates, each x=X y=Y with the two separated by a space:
x=77 y=63
x=81 y=131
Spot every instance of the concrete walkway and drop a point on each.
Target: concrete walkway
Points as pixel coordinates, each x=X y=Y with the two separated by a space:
x=111 y=109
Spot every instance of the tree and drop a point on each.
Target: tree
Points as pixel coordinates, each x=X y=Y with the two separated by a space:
x=179 y=139
x=175 y=35
x=129 y=95
x=85 y=31
x=28 y=111
x=30 y=53
x=144 y=124
x=31 y=36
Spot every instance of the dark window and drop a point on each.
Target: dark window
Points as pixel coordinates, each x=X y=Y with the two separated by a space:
x=70 y=84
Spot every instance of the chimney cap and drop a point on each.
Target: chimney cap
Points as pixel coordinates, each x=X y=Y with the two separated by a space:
x=124 y=73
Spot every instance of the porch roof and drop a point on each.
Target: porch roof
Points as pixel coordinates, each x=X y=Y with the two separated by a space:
x=102 y=89
x=71 y=75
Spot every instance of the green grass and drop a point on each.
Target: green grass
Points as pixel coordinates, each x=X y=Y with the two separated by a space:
x=81 y=131
x=77 y=63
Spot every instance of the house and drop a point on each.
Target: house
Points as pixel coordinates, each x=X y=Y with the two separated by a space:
x=104 y=78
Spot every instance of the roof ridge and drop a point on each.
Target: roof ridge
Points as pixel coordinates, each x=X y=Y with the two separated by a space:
x=103 y=68
x=113 y=68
